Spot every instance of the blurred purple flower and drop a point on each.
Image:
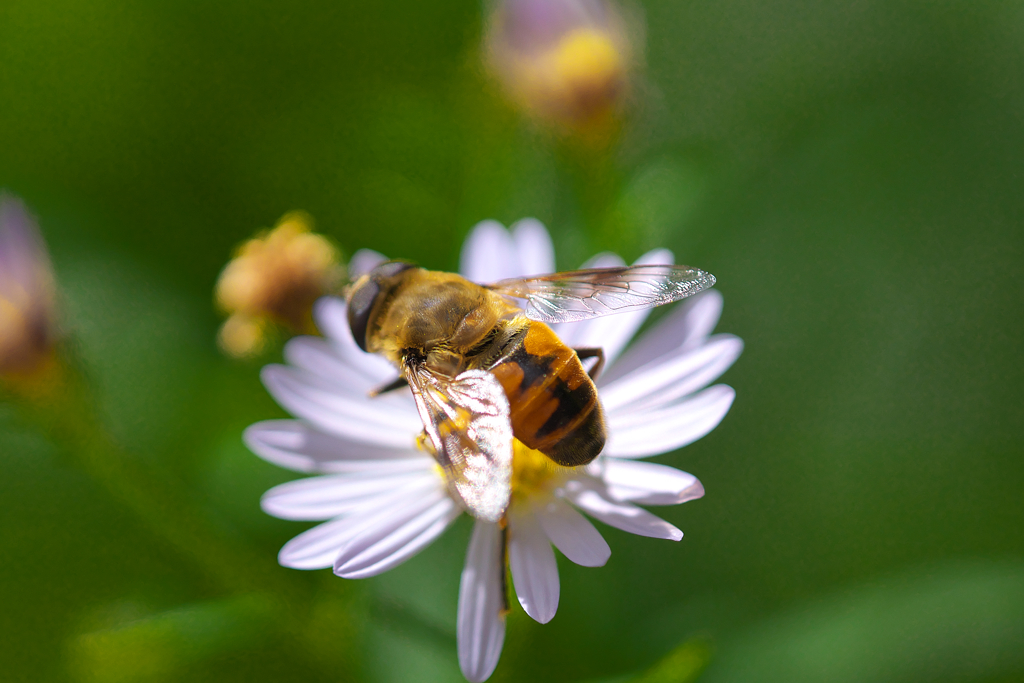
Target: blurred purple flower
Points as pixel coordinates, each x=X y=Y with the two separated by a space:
x=26 y=292
x=565 y=61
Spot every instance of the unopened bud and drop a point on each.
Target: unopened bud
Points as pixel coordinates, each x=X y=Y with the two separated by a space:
x=275 y=278
x=26 y=294
x=566 y=61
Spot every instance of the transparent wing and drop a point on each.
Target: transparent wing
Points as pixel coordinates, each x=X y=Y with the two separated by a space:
x=467 y=422
x=585 y=294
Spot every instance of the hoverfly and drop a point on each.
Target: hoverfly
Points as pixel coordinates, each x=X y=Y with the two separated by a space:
x=484 y=367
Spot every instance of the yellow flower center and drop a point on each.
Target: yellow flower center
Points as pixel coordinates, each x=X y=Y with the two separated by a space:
x=585 y=59
x=532 y=471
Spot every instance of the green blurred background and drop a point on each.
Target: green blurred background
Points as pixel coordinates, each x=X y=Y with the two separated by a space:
x=852 y=174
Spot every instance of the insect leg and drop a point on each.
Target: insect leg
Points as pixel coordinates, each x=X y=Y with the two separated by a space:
x=397 y=383
x=592 y=352
x=506 y=605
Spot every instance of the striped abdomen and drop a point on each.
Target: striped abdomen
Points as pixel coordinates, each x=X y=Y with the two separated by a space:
x=553 y=402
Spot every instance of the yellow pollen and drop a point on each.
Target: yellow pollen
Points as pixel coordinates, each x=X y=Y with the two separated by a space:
x=532 y=471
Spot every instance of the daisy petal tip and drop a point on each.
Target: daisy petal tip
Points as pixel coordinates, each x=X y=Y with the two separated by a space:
x=694 y=492
x=271 y=375
x=536 y=252
x=530 y=226
x=293 y=558
x=251 y=437
x=325 y=307
x=363 y=261
x=477 y=667
x=545 y=617
x=657 y=257
x=267 y=504
x=484 y=229
x=601 y=557
x=272 y=440
x=283 y=560
x=542 y=612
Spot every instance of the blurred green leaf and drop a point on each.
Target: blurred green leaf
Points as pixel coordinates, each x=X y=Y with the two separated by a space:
x=948 y=622
x=682 y=665
x=158 y=647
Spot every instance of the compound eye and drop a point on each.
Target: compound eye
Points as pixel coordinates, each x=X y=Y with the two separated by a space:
x=364 y=295
x=360 y=304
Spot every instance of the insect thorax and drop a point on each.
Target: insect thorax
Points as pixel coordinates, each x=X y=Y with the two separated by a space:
x=435 y=314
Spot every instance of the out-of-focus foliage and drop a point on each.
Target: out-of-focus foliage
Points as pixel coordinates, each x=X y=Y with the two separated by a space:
x=849 y=172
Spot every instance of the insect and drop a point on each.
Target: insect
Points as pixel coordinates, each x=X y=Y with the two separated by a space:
x=485 y=369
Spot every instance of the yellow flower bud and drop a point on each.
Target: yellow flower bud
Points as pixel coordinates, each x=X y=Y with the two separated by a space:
x=241 y=336
x=275 y=278
x=26 y=294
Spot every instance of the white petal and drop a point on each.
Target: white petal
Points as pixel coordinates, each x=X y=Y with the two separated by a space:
x=320 y=546
x=481 y=622
x=331 y=496
x=685 y=327
x=489 y=254
x=316 y=548
x=573 y=534
x=623 y=515
x=300 y=447
x=534 y=571
x=660 y=431
x=648 y=483
x=673 y=376
x=536 y=253
x=393 y=540
x=331 y=315
x=313 y=398
x=319 y=357
x=605 y=259
x=363 y=261
x=661 y=257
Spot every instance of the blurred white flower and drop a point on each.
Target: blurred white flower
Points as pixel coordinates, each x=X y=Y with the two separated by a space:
x=386 y=499
x=26 y=293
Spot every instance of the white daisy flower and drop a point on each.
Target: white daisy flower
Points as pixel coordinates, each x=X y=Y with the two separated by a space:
x=386 y=500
